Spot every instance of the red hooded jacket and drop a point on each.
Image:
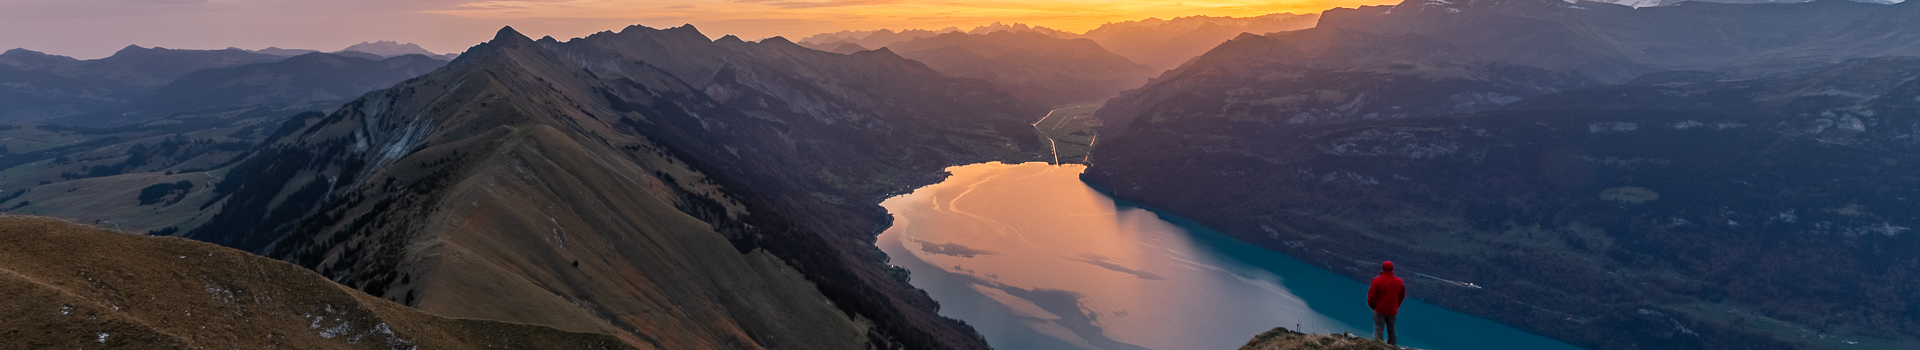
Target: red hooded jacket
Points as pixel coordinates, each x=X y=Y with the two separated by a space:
x=1385 y=294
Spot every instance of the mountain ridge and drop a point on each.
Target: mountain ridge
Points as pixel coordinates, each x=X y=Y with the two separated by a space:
x=684 y=149
x=1617 y=211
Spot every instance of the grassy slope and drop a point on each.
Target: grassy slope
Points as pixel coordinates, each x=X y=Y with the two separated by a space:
x=516 y=208
x=69 y=286
x=543 y=202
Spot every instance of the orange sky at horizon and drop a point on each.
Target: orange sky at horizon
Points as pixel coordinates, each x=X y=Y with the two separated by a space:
x=97 y=28
x=755 y=19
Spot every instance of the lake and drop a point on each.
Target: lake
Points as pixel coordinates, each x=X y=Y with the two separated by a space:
x=1035 y=259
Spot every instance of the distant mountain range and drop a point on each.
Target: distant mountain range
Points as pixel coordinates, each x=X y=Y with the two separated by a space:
x=1692 y=176
x=1051 y=67
x=139 y=83
x=392 y=49
x=1161 y=44
x=1037 y=68
x=370 y=50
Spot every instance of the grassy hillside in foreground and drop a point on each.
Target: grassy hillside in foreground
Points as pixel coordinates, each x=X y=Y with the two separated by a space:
x=1281 y=338
x=70 y=286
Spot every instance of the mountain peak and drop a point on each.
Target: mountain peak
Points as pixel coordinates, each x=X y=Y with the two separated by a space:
x=687 y=30
x=507 y=34
x=777 y=40
x=21 y=51
x=131 y=49
x=25 y=58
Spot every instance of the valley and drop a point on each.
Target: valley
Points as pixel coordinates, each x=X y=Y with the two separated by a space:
x=1035 y=259
x=1069 y=132
x=1548 y=174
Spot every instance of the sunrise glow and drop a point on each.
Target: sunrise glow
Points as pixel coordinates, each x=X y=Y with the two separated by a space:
x=763 y=18
x=95 y=29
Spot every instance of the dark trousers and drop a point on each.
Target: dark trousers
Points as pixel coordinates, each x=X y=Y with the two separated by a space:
x=1384 y=323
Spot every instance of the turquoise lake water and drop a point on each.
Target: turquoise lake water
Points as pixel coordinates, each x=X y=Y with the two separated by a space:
x=1035 y=259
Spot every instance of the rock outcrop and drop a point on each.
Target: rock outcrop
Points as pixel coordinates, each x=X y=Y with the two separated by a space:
x=1281 y=338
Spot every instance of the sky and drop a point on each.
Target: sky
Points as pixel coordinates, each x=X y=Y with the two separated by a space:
x=89 y=29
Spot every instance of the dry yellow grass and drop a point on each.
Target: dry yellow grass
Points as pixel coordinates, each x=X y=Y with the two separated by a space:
x=69 y=286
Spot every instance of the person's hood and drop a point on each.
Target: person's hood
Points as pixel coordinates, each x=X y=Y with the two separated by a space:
x=1386 y=268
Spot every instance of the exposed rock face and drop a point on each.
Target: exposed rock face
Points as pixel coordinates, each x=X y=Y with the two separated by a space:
x=1469 y=139
x=678 y=192
x=69 y=286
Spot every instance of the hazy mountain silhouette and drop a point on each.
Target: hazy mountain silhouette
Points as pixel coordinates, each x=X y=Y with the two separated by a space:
x=315 y=81
x=391 y=49
x=1037 y=68
x=869 y=38
x=1161 y=44
x=1165 y=44
x=283 y=52
x=141 y=84
x=1040 y=65
x=44 y=86
x=845 y=49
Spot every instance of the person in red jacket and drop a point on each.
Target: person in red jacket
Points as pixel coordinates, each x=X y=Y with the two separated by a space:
x=1384 y=297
